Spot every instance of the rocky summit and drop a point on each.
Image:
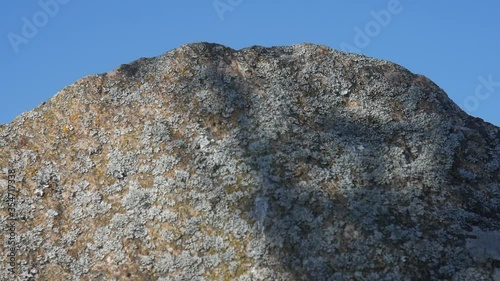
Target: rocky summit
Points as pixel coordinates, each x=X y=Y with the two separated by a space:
x=283 y=163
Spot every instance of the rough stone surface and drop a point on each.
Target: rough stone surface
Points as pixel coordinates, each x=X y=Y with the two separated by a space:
x=282 y=163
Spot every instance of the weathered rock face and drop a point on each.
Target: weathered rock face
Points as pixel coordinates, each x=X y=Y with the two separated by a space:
x=283 y=163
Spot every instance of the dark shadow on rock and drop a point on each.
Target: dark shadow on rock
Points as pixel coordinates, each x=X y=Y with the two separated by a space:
x=339 y=197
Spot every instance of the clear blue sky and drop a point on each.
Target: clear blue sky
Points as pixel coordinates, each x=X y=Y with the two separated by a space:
x=45 y=47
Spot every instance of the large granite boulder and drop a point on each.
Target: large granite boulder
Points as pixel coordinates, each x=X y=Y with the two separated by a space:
x=282 y=163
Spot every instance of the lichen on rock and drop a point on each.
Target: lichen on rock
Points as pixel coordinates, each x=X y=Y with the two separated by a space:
x=283 y=163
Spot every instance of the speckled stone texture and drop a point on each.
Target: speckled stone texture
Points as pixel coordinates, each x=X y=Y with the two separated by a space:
x=282 y=163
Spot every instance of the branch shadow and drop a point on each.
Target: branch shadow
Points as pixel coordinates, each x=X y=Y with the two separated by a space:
x=337 y=197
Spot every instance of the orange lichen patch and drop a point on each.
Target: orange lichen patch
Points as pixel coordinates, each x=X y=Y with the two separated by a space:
x=74 y=116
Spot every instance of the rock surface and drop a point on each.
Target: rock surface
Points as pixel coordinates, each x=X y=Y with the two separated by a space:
x=282 y=163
